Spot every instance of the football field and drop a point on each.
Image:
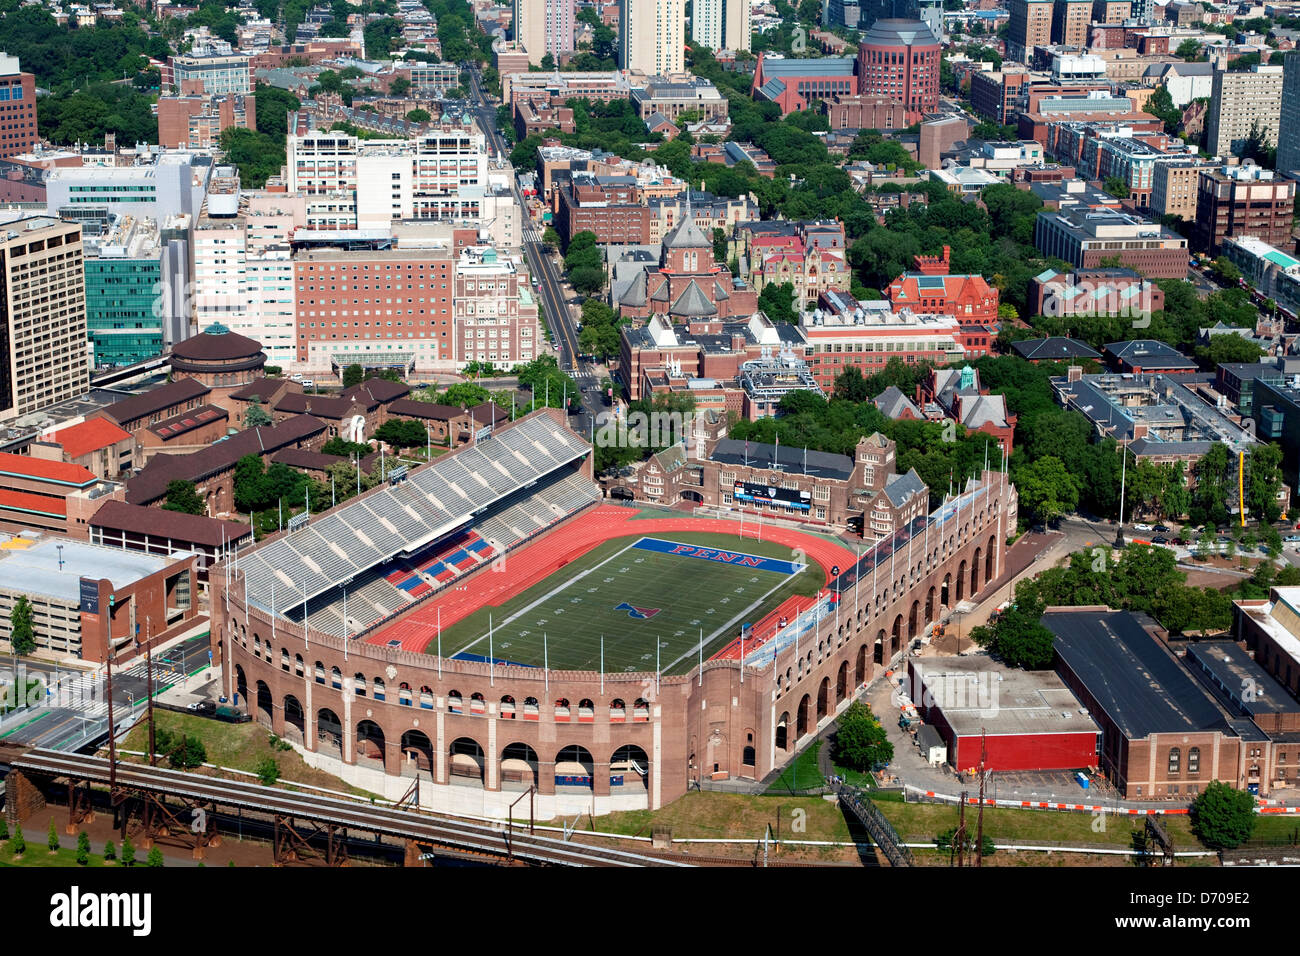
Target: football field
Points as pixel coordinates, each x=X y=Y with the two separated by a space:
x=651 y=600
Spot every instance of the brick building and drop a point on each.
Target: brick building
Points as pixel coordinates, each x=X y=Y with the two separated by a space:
x=18 y=132
x=1242 y=200
x=899 y=58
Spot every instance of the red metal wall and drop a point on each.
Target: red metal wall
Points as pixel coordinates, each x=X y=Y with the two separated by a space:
x=1029 y=752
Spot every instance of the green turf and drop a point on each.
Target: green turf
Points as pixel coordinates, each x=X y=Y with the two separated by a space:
x=574 y=610
x=801 y=773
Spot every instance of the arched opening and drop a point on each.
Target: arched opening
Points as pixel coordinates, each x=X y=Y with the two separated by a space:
x=241 y=685
x=961 y=580
x=640 y=710
x=417 y=753
x=896 y=636
x=860 y=668
x=264 y=705
x=298 y=666
x=404 y=696
x=295 y=721
x=319 y=672
x=913 y=620
x=379 y=690
x=975 y=572
x=823 y=698
x=336 y=678
x=617 y=711
x=519 y=766
x=531 y=709
x=801 y=719
x=455 y=703
x=693 y=496
x=370 y=745
x=426 y=699
x=586 y=711
x=842 y=682
x=782 y=732
x=878 y=653
x=477 y=704
x=629 y=767
x=943 y=591
x=988 y=559
x=329 y=733
x=359 y=684
x=929 y=605
x=465 y=760
x=507 y=708
x=562 y=710
x=574 y=767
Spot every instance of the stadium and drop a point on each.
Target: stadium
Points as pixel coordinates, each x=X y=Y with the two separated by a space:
x=487 y=624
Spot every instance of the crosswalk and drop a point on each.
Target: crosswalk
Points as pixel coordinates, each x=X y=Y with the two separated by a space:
x=532 y=233
x=86 y=692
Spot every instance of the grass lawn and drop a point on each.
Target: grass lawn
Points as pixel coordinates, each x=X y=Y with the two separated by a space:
x=733 y=815
x=1277 y=827
x=920 y=822
x=238 y=746
x=38 y=854
x=801 y=773
x=633 y=596
x=854 y=778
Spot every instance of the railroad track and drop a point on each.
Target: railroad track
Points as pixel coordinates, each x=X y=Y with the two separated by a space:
x=490 y=840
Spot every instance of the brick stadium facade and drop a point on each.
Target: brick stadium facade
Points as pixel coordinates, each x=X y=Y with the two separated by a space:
x=714 y=722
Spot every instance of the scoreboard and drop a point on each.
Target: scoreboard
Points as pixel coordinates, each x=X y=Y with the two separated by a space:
x=769 y=494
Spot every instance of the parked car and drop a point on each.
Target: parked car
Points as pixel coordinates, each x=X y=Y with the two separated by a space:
x=1143 y=527
x=1162 y=529
x=1160 y=539
x=1292 y=539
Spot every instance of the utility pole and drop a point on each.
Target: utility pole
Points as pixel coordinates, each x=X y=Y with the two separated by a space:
x=148 y=670
x=959 y=837
x=979 y=824
x=112 y=726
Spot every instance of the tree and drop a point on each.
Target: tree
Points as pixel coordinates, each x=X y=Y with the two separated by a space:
x=268 y=771
x=860 y=741
x=110 y=851
x=402 y=433
x=53 y=841
x=1189 y=50
x=1047 y=489
x=465 y=395
x=776 y=301
x=187 y=753
x=1225 y=271
x=944 y=841
x=400 y=86
x=340 y=446
x=155 y=857
x=4 y=829
x=550 y=237
x=22 y=636
x=182 y=496
x=19 y=841
x=418 y=116
x=255 y=417
x=354 y=374
x=587 y=280
x=83 y=848
x=128 y=852
x=1222 y=816
x=1116 y=186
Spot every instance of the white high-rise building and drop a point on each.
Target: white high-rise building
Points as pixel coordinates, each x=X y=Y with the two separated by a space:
x=1288 y=139
x=367 y=184
x=653 y=36
x=544 y=26
x=243 y=270
x=1241 y=102
x=721 y=24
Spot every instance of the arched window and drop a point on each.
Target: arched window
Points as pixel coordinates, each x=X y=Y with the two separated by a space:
x=477 y=704
x=1174 y=756
x=586 y=711
x=426 y=699
x=404 y=694
x=531 y=709
x=507 y=708
x=359 y=684
x=617 y=711
x=562 y=709
x=1194 y=760
x=297 y=664
x=284 y=659
x=641 y=710
x=379 y=688
x=336 y=677
x=320 y=673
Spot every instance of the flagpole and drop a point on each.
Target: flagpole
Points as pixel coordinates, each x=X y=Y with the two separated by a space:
x=857 y=577
x=492 y=678
x=345 y=625
x=440 y=642
x=272 y=608
x=546 y=663
x=700 y=648
x=602 y=663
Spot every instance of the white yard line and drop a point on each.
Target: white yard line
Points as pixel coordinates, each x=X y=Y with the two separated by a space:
x=550 y=594
x=695 y=648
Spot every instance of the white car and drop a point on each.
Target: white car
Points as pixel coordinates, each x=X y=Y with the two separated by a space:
x=1143 y=527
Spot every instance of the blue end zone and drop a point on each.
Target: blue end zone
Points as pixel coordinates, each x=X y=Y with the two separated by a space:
x=737 y=558
x=481 y=659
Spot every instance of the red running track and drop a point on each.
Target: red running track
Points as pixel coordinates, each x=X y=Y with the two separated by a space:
x=572 y=541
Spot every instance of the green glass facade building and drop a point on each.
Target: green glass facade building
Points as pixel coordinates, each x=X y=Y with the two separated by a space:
x=122 y=317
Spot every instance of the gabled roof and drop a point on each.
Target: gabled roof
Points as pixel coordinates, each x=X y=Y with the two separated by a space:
x=88 y=436
x=1054 y=348
x=893 y=403
x=378 y=390
x=635 y=294
x=41 y=469
x=900 y=489
x=686 y=235
x=693 y=303
x=176 y=525
x=156 y=399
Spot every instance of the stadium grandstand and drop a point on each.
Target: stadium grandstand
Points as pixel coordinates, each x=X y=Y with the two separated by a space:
x=363 y=562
